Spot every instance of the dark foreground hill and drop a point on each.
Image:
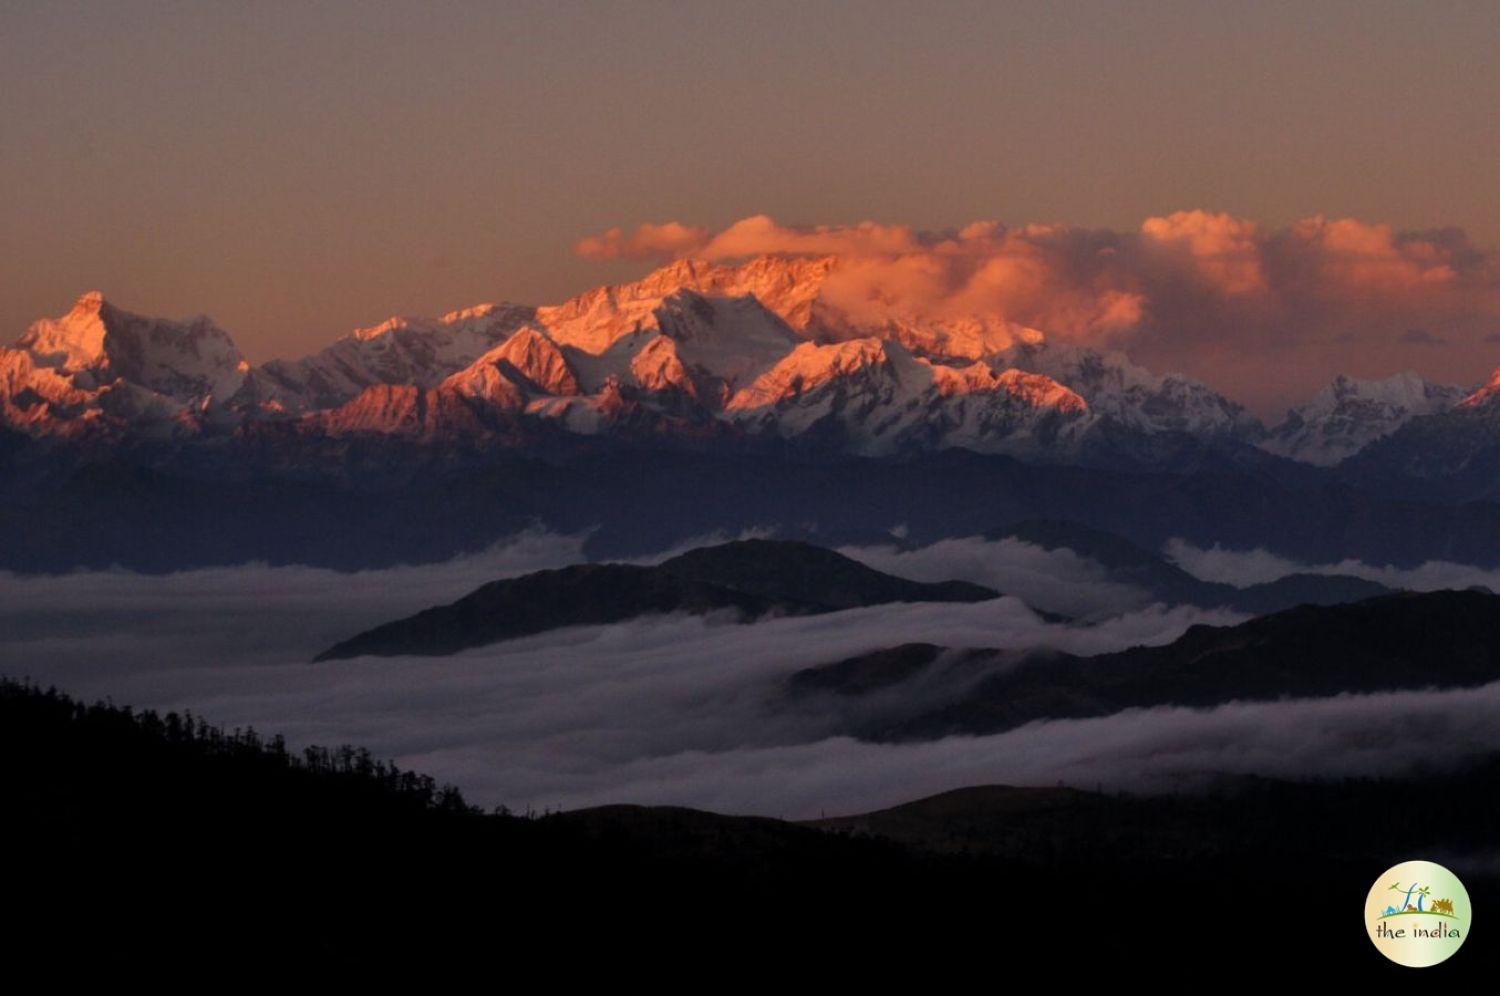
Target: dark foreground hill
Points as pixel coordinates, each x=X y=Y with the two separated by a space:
x=1442 y=639
x=752 y=577
x=136 y=839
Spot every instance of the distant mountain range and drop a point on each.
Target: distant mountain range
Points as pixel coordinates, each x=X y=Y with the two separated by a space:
x=754 y=578
x=703 y=398
x=753 y=352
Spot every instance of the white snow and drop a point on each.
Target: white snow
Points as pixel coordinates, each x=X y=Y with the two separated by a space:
x=1349 y=414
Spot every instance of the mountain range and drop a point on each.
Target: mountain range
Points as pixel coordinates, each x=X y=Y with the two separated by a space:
x=755 y=352
x=705 y=398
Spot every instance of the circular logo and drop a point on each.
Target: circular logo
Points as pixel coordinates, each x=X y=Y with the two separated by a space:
x=1418 y=914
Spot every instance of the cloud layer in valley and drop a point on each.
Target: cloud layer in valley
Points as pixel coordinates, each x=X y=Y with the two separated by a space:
x=1243 y=568
x=1265 y=314
x=1055 y=580
x=668 y=709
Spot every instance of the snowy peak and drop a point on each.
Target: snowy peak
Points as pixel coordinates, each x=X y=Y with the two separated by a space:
x=791 y=287
x=1036 y=390
x=970 y=338
x=186 y=361
x=528 y=360
x=99 y=360
x=1485 y=395
x=1350 y=414
x=1133 y=397
x=537 y=361
x=593 y=321
x=872 y=396
x=75 y=341
x=733 y=339
x=657 y=366
x=809 y=366
x=416 y=351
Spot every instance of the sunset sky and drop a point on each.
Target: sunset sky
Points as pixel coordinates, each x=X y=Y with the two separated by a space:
x=295 y=170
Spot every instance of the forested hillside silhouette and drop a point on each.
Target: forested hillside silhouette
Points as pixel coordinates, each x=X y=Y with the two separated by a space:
x=131 y=835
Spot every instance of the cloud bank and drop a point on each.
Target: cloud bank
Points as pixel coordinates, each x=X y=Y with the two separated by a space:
x=1055 y=580
x=1243 y=568
x=672 y=709
x=1242 y=305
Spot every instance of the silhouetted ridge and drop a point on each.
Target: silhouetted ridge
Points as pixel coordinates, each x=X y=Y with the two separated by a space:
x=751 y=577
x=785 y=570
x=133 y=835
x=1445 y=639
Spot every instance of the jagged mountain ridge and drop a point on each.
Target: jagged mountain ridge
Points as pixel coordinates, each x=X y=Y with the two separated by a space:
x=99 y=364
x=1350 y=414
x=746 y=349
x=751 y=350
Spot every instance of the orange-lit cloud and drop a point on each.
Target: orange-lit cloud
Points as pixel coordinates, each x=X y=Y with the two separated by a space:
x=1249 y=308
x=646 y=242
x=1221 y=249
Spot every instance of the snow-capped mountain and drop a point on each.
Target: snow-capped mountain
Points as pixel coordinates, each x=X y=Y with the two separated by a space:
x=790 y=288
x=99 y=366
x=749 y=350
x=1134 y=398
x=872 y=396
x=1349 y=414
x=412 y=351
x=1458 y=445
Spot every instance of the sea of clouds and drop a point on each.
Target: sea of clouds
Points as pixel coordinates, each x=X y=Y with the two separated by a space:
x=682 y=710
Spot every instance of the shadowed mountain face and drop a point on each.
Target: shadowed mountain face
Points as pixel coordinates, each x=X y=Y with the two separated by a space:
x=1128 y=564
x=1446 y=639
x=750 y=577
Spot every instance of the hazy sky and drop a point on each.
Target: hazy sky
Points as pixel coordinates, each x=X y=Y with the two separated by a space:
x=297 y=169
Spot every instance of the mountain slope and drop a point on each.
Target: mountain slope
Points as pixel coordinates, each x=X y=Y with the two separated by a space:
x=1349 y=414
x=751 y=577
x=416 y=352
x=99 y=365
x=1447 y=639
x=1453 y=454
